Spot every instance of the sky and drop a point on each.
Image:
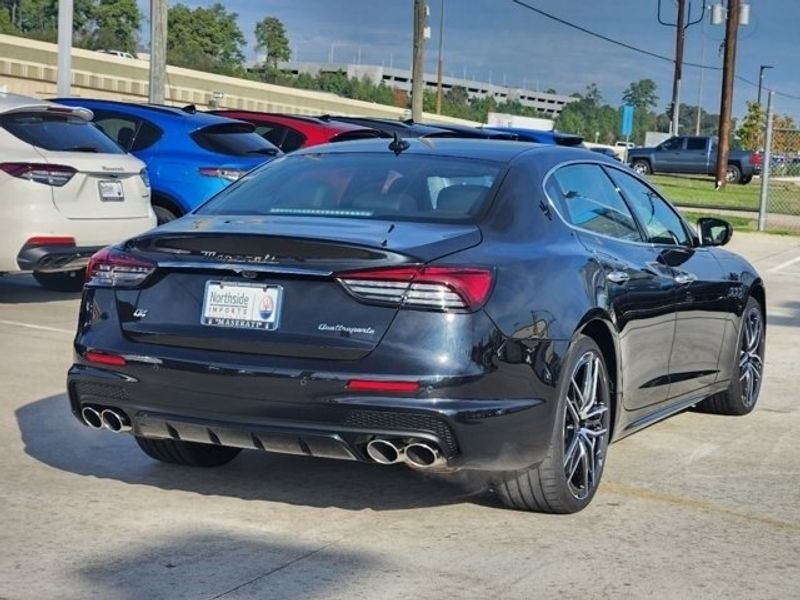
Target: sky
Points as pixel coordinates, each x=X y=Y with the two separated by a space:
x=501 y=41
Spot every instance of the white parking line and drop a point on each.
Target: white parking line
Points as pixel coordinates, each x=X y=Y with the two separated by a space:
x=38 y=327
x=783 y=265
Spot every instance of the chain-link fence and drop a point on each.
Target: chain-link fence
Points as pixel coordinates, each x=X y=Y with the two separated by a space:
x=780 y=193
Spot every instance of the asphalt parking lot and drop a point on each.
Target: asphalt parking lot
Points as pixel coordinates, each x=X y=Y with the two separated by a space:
x=699 y=506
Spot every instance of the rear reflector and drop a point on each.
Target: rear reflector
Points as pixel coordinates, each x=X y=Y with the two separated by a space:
x=55 y=175
x=50 y=240
x=111 y=267
x=370 y=385
x=101 y=358
x=435 y=288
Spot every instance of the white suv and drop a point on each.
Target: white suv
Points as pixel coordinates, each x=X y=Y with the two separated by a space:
x=66 y=190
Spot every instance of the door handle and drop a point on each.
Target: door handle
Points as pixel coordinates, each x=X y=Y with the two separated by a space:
x=618 y=277
x=685 y=278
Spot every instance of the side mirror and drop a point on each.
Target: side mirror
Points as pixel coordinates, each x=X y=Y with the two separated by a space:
x=714 y=232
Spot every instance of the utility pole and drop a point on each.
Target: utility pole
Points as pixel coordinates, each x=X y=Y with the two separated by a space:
x=761 y=79
x=439 y=92
x=726 y=103
x=680 y=25
x=158 y=51
x=699 y=117
x=418 y=60
x=64 y=69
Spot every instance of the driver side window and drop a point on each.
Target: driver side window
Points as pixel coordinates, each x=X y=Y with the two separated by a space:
x=661 y=223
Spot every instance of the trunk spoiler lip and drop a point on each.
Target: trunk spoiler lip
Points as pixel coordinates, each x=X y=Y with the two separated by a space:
x=240 y=268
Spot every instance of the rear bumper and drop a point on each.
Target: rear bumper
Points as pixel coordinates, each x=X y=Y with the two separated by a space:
x=52 y=259
x=484 y=434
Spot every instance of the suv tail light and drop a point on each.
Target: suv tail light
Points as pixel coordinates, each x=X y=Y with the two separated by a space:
x=227 y=174
x=55 y=175
x=434 y=288
x=113 y=268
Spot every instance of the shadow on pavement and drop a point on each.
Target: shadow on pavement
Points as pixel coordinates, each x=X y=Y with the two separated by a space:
x=52 y=436
x=792 y=320
x=211 y=565
x=23 y=289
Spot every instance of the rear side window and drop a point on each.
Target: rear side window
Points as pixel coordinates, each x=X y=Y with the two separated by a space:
x=132 y=133
x=233 y=139
x=696 y=143
x=58 y=132
x=367 y=186
x=283 y=137
x=586 y=198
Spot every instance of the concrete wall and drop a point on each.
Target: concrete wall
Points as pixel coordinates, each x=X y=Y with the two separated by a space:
x=29 y=67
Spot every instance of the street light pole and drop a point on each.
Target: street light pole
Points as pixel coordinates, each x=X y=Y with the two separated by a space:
x=64 y=70
x=761 y=78
x=726 y=102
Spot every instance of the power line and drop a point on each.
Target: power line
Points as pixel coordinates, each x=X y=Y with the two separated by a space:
x=627 y=46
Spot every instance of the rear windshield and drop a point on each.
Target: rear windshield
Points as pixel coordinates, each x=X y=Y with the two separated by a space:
x=58 y=132
x=368 y=186
x=234 y=139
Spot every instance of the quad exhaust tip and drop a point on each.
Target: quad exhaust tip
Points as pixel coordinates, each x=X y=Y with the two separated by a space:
x=114 y=421
x=384 y=452
x=423 y=456
x=416 y=454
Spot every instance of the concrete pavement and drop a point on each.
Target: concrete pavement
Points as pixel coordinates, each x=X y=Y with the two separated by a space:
x=699 y=506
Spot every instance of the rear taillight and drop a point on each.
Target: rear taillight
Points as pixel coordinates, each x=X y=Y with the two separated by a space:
x=435 y=288
x=227 y=174
x=145 y=178
x=50 y=240
x=111 y=267
x=55 y=175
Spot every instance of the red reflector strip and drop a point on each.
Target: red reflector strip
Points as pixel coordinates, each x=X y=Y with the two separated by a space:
x=112 y=360
x=50 y=240
x=369 y=385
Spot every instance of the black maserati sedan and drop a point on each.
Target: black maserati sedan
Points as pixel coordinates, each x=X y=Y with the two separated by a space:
x=448 y=304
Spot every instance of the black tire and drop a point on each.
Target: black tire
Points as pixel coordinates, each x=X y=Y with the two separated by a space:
x=642 y=167
x=746 y=179
x=547 y=487
x=66 y=281
x=733 y=174
x=188 y=454
x=163 y=215
x=738 y=399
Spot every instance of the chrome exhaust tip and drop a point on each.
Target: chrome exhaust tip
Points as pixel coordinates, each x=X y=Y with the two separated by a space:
x=91 y=417
x=384 y=452
x=423 y=456
x=114 y=421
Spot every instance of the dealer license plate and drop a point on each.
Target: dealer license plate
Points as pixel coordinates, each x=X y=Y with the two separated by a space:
x=242 y=305
x=111 y=191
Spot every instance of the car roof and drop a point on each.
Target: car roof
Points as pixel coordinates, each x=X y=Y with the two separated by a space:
x=187 y=113
x=390 y=126
x=10 y=103
x=247 y=115
x=482 y=149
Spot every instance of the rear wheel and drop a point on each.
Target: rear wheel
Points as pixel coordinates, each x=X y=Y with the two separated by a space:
x=567 y=479
x=741 y=396
x=187 y=453
x=641 y=167
x=733 y=174
x=67 y=281
x=164 y=215
x=746 y=179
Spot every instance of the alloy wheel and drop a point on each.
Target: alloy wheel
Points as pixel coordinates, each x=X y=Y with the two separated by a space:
x=585 y=426
x=751 y=362
x=640 y=168
x=731 y=175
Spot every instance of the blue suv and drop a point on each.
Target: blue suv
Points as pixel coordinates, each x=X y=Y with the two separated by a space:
x=190 y=155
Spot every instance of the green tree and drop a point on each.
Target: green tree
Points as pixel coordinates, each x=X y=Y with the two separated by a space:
x=38 y=19
x=116 y=25
x=208 y=39
x=6 y=25
x=751 y=129
x=271 y=39
x=641 y=94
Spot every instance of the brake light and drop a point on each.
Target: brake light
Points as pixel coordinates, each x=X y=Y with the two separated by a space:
x=113 y=268
x=101 y=358
x=55 y=175
x=436 y=288
x=375 y=385
x=227 y=174
x=145 y=178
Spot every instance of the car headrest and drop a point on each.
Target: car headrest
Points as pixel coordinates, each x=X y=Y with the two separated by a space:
x=460 y=198
x=125 y=137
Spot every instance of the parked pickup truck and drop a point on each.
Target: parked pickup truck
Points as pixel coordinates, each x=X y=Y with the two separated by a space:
x=691 y=154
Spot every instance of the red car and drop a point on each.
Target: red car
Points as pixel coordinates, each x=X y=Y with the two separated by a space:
x=290 y=132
